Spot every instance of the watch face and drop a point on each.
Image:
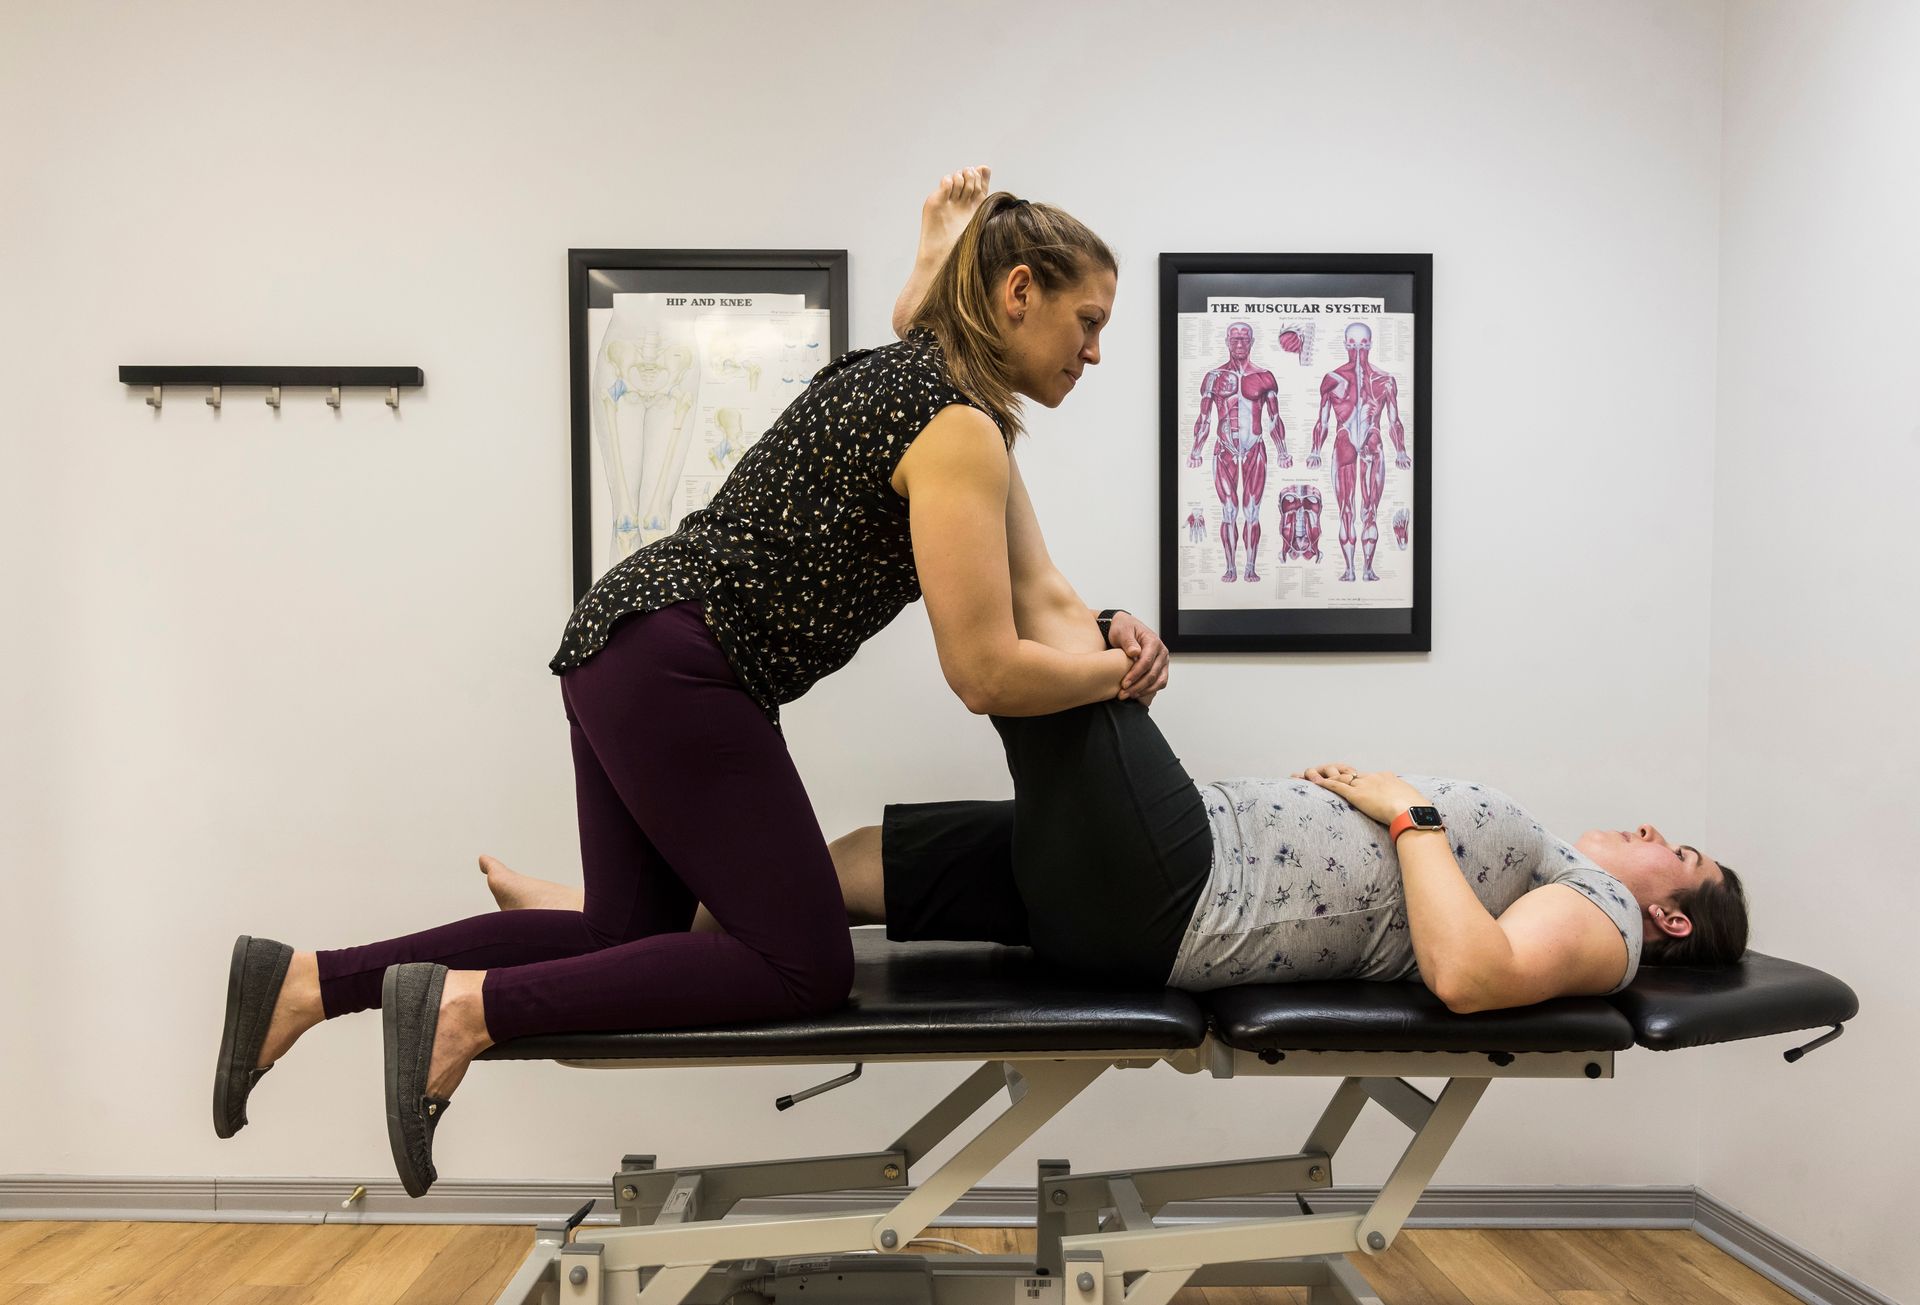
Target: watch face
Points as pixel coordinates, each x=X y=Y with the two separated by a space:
x=1425 y=817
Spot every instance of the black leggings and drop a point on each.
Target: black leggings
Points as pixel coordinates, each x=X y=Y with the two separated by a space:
x=1097 y=862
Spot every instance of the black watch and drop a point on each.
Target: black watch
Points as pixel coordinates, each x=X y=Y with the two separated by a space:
x=1106 y=621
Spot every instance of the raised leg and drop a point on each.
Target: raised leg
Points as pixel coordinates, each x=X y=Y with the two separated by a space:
x=943 y=217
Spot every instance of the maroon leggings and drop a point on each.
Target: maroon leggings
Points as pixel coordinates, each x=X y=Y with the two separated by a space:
x=687 y=795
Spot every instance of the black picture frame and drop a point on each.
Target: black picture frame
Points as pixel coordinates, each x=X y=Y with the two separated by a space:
x=1399 y=284
x=594 y=276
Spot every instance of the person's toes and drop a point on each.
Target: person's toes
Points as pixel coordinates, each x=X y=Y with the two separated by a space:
x=498 y=884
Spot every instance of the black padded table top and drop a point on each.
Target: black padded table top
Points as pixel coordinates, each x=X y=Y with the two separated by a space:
x=920 y=998
x=1665 y=1007
x=1366 y=1015
x=1675 y=1006
x=956 y=999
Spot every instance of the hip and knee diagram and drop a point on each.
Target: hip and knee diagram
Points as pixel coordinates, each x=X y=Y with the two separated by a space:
x=680 y=386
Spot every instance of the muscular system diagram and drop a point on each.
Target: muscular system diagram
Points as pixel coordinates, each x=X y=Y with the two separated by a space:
x=1356 y=404
x=1297 y=339
x=1238 y=401
x=1352 y=379
x=1299 y=523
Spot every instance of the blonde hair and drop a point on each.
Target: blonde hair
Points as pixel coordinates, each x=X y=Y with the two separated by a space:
x=1005 y=232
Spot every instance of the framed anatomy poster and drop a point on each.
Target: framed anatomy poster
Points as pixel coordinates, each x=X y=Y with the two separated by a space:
x=1296 y=455
x=681 y=359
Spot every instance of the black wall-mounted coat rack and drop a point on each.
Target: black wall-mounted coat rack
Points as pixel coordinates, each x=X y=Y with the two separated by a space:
x=274 y=379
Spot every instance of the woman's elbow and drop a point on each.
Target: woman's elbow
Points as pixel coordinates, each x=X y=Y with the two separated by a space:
x=1460 y=998
x=974 y=690
x=973 y=670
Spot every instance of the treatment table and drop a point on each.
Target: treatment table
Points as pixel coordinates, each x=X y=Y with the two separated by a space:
x=1041 y=1038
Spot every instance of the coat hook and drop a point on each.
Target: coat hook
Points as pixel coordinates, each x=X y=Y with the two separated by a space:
x=393 y=397
x=154 y=398
x=333 y=398
x=273 y=396
x=213 y=399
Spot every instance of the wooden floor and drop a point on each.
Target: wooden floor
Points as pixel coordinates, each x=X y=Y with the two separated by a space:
x=413 y=1264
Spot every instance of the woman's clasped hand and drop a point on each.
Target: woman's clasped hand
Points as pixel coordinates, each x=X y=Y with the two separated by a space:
x=1381 y=795
x=1148 y=674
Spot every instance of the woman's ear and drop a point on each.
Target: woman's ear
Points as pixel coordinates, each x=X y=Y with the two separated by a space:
x=1020 y=291
x=1673 y=923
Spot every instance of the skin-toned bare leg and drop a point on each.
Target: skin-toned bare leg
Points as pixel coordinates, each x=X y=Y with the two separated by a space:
x=461 y=1035
x=863 y=880
x=856 y=859
x=296 y=1010
x=942 y=218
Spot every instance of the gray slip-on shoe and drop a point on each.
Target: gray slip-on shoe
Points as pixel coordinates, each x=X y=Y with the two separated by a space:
x=409 y=1015
x=254 y=977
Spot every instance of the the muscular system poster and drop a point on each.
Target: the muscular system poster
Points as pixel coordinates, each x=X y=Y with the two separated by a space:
x=1295 y=461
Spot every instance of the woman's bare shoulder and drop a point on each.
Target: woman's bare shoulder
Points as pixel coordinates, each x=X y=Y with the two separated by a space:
x=960 y=442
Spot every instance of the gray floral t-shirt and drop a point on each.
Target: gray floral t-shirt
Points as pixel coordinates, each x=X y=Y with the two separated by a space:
x=1306 y=887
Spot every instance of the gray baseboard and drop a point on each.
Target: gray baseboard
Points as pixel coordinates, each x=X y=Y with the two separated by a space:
x=320 y=1200
x=1775 y=1258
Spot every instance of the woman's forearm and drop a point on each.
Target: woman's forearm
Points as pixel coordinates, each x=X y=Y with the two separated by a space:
x=1047 y=610
x=1455 y=941
x=1037 y=680
x=1058 y=661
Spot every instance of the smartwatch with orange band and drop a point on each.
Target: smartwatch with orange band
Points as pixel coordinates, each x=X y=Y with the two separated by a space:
x=1414 y=818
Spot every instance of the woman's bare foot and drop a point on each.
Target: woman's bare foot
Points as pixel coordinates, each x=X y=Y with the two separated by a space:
x=517 y=892
x=296 y=1010
x=942 y=218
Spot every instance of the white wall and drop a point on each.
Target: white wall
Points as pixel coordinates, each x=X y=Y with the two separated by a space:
x=287 y=675
x=1816 y=638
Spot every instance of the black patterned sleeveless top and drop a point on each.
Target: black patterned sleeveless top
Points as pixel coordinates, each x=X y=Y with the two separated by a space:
x=805 y=553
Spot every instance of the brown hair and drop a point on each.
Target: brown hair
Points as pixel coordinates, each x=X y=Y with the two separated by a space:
x=1719 y=915
x=959 y=307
